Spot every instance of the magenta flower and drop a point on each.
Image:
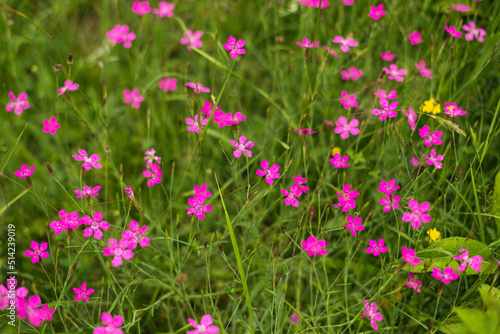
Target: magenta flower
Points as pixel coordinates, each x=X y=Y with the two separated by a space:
x=305 y=132
x=165 y=9
x=112 y=324
x=19 y=105
x=453 y=31
x=387 y=202
x=192 y=39
x=220 y=117
x=339 y=161
x=377 y=12
x=330 y=51
x=388 y=110
x=434 y=159
x=474 y=262
x=314 y=3
x=198 y=87
x=446 y=276
x=269 y=173
x=348 y=100
x=136 y=235
x=67 y=220
x=87 y=191
x=306 y=43
x=371 y=313
x=201 y=191
x=376 y=248
x=412 y=283
x=197 y=208
x=343 y=128
x=150 y=158
x=95 y=225
x=351 y=74
x=51 y=126
x=425 y=72
x=415 y=38
x=414 y=161
x=418 y=215
x=294 y=318
x=68 y=86
x=412 y=118
x=242 y=147
x=460 y=7
x=347 y=43
x=134 y=98
x=121 y=34
x=37 y=252
x=354 y=224
x=141 y=7
x=472 y=32
x=387 y=56
x=234 y=47
x=430 y=139
x=82 y=293
x=45 y=313
x=194 y=125
x=347 y=198
x=204 y=327
x=314 y=247
x=25 y=171
x=298 y=182
x=168 y=84
x=130 y=193
x=30 y=308
x=89 y=162
x=10 y=293
x=452 y=110
x=409 y=257
x=388 y=187
x=395 y=73
x=118 y=250
x=154 y=174
x=290 y=197
x=348 y=2
x=383 y=95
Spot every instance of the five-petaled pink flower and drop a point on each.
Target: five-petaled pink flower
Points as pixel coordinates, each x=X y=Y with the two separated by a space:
x=204 y=327
x=383 y=95
x=388 y=110
x=473 y=32
x=377 y=12
x=121 y=34
x=354 y=224
x=197 y=208
x=154 y=174
x=51 y=126
x=418 y=215
x=165 y=9
x=134 y=98
x=192 y=39
x=306 y=43
x=67 y=220
x=460 y=7
x=452 y=110
x=453 y=31
x=347 y=43
x=37 y=252
x=25 y=171
x=141 y=7
x=194 y=125
x=348 y=100
x=68 y=85
x=198 y=87
x=30 y=308
x=343 y=128
x=474 y=262
x=347 y=198
x=168 y=84
x=339 y=161
x=87 y=191
x=299 y=181
x=290 y=197
x=89 y=162
x=430 y=139
x=82 y=293
x=314 y=3
x=234 y=47
x=412 y=283
x=95 y=225
x=425 y=72
x=376 y=248
x=112 y=324
x=119 y=250
x=387 y=56
x=150 y=158
x=434 y=159
x=388 y=188
x=389 y=202
x=269 y=173
x=371 y=313
x=242 y=147
x=136 y=235
x=415 y=38
x=305 y=132
x=351 y=74
x=446 y=276
x=409 y=257
x=412 y=117
x=395 y=73
x=314 y=246
x=20 y=103
x=201 y=191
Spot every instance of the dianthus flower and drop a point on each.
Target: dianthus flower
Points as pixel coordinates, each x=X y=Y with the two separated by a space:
x=165 y=9
x=89 y=162
x=194 y=125
x=129 y=192
x=30 y=308
x=95 y=225
x=339 y=161
x=19 y=105
x=25 y=171
x=87 y=191
x=314 y=247
x=45 y=313
x=452 y=110
x=376 y=248
x=472 y=32
x=395 y=73
x=37 y=252
x=204 y=327
x=388 y=110
x=347 y=198
x=377 y=12
x=409 y=257
x=118 y=250
x=150 y=158
x=269 y=173
x=112 y=324
x=453 y=31
x=425 y=72
x=330 y=51
x=234 y=47
x=154 y=174
x=51 y=126
x=314 y=3
x=201 y=191
x=389 y=202
x=68 y=86
x=446 y=276
x=348 y=100
x=305 y=132
x=351 y=74
x=430 y=139
x=242 y=147
x=418 y=215
x=198 y=87
x=412 y=117
x=134 y=98
x=197 y=208
x=460 y=7
x=121 y=34
x=299 y=181
x=387 y=56
x=192 y=39
x=354 y=224
x=343 y=128
x=82 y=293
x=474 y=262
x=371 y=313
x=414 y=284
x=141 y=7
x=383 y=95
x=168 y=84
x=136 y=235
x=415 y=38
x=290 y=197
x=434 y=159
x=347 y=43
x=67 y=221
x=306 y=43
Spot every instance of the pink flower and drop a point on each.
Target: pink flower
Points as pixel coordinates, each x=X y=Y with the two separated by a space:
x=298 y=182
x=136 y=235
x=314 y=3
x=452 y=110
x=269 y=173
x=168 y=84
x=112 y=323
x=347 y=198
x=87 y=191
x=89 y=162
x=305 y=132
x=197 y=208
x=234 y=47
x=95 y=225
x=194 y=125
x=415 y=38
x=25 y=171
x=351 y=74
x=347 y=43
x=82 y=293
x=389 y=110
x=165 y=9
x=290 y=196
x=372 y=314
x=306 y=43
x=130 y=193
x=348 y=100
x=425 y=72
x=294 y=318
x=37 y=252
x=198 y=87
x=121 y=34
x=376 y=248
x=134 y=98
x=19 y=105
x=412 y=118
x=150 y=158
x=387 y=56
x=415 y=285
x=201 y=191
x=388 y=187
x=192 y=39
x=51 y=126
x=119 y=250
x=154 y=174
x=414 y=161
x=330 y=51
x=67 y=220
x=474 y=262
x=395 y=73
x=354 y=224
x=383 y=95
x=377 y=12
x=343 y=128
x=446 y=276
x=453 y=31
x=68 y=85
x=460 y=7
x=314 y=247
x=141 y=7
x=204 y=326
x=10 y=293
x=220 y=117
x=339 y=161
x=418 y=215
x=387 y=202
x=242 y=147
x=30 y=308
x=45 y=313
x=348 y=2
x=474 y=32
x=434 y=159
x=430 y=139
x=409 y=257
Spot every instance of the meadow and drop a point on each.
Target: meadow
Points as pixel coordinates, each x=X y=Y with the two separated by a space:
x=230 y=166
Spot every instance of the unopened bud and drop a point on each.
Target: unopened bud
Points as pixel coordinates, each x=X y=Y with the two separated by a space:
x=130 y=193
x=57 y=68
x=49 y=168
x=70 y=59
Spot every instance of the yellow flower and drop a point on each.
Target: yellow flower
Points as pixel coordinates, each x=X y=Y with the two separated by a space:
x=434 y=234
x=431 y=106
x=335 y=150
